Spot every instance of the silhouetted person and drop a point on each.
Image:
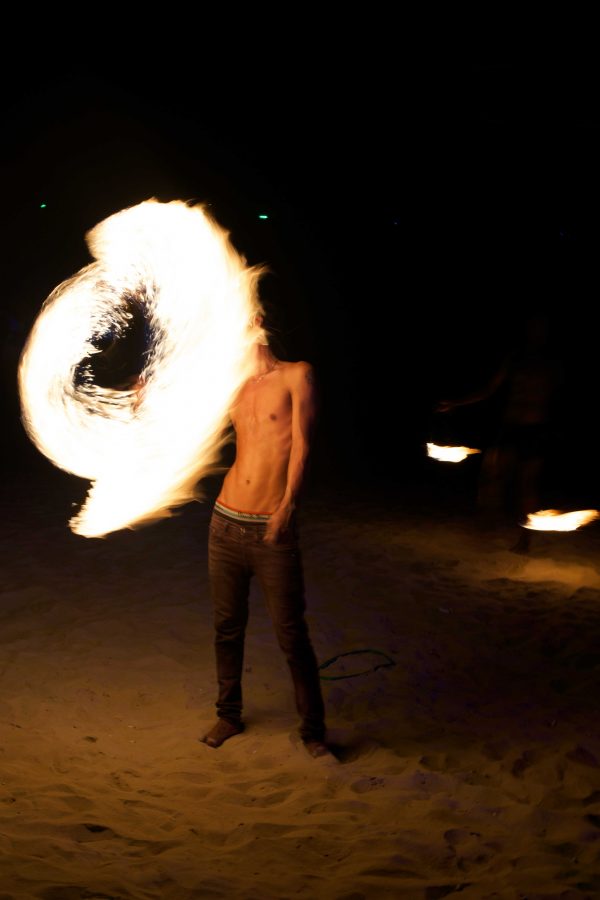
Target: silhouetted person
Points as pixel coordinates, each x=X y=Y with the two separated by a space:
x=253 y=532
x=512 y=467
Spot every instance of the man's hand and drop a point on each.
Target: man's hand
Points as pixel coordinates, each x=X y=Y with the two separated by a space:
x=277 y=524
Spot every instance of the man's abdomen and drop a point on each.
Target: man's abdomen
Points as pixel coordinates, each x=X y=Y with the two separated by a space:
x=255 y=486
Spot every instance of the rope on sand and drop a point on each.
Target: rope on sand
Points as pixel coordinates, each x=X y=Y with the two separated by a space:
x=382 y=665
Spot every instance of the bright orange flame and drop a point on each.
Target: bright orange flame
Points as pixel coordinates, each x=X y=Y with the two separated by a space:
x=144 y=453
x=553 y=520
x=449 y=454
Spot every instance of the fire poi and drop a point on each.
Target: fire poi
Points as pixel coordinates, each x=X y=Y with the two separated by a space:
x=449 y=454
x=554 y=520
x=143 y=450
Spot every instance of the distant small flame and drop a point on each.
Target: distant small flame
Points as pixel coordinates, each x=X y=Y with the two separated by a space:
x=554 y=520
x=450 y=454
x=144 y=449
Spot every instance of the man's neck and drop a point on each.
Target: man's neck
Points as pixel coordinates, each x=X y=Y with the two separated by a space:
x=263 y=361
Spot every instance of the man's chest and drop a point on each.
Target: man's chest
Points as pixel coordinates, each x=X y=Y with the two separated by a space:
x=262 y=407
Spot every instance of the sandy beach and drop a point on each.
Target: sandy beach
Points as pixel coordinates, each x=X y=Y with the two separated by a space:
x=469 y=763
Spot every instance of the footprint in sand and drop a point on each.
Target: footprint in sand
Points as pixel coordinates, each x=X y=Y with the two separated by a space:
x=120 y=781
x=251 y=799
x=87 y=832
x=367 y=784
x=524 y=762
x=70 y=892
x=349 y=807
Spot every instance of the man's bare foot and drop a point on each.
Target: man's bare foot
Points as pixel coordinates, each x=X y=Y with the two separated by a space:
x=317 y=749
x=221 y=732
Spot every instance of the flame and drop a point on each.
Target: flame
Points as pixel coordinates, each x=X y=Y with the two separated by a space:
x=449 y=454
x=144 y=451
x=553 y=520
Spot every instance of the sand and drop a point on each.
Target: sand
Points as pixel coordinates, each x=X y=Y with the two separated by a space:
x=471 y=765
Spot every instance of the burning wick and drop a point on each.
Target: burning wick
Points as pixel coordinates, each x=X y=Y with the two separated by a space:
x=449 y=454
x=144 y=446
x=553 y=520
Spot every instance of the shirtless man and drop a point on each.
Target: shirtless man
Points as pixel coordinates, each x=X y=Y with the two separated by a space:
x=253 y=532
x=531 y=376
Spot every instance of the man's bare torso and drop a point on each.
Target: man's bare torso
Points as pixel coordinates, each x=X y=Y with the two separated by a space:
x=262 y=419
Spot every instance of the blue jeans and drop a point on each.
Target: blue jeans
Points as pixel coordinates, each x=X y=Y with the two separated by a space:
x=236 y=552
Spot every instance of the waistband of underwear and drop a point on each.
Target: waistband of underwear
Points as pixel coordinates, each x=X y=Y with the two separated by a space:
x=236 y=515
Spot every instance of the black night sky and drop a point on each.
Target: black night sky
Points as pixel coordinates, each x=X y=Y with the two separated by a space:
x=404 y=237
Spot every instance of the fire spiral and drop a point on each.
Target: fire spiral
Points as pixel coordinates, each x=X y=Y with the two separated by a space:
x=144 y=445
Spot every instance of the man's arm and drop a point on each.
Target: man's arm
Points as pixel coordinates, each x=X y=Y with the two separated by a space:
x=486 y=391
x=302 y=389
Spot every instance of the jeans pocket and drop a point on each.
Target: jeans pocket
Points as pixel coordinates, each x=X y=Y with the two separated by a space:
x=217 y=530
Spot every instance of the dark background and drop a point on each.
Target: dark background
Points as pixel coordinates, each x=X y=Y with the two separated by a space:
x=404 y=237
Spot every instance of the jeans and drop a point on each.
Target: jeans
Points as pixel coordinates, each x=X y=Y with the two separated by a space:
x=236 y=552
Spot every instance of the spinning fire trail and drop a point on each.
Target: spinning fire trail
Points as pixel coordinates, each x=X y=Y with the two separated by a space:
x=143 y=449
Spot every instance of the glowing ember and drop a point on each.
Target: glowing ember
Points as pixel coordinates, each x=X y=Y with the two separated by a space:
x=449 y=454
x=144 y=451
x=553 y=520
